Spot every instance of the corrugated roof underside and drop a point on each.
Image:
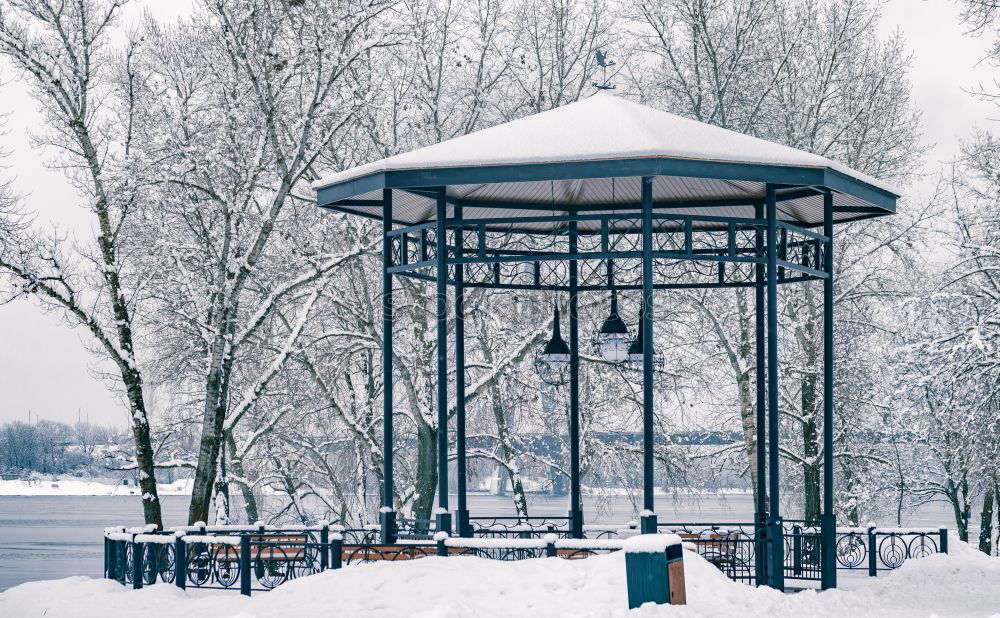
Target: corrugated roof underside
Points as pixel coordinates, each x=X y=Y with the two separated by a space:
x=544 y=199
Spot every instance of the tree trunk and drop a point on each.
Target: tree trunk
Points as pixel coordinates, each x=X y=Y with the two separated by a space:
x=208 y=454
x=809 y=400
x=741 y=357
x=810 y=443
x=957 y=505
x=748 y=400
x=213 y=420
x=986 y=522
x=249 y=500
x=143 y=450
x=425 y=482
x=508 y=453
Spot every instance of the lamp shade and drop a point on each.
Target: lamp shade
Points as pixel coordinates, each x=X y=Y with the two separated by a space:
x=552 y=363
x=613 y=338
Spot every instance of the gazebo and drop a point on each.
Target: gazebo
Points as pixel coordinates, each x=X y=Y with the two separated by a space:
x=606 y=195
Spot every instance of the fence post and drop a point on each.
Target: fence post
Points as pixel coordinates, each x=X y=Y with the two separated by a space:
x=107 y=554
x=137 y=553
x=180 y=562
x=797 y=549
x=442 y=549
x=550 y=546
x=245 y=565
x=943 y=544
x=337 y=552
x=759 y=556
x=121 y=550
x=324 y=547
x=872 y=553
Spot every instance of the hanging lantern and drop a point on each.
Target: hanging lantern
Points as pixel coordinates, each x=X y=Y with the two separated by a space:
x=552 y=364
x=612 y=341
x=635 y=351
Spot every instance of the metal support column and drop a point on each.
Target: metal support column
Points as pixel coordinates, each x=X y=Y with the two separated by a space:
x=828 y=523
x=775 y=542
x=443 y=517
x=575 y=500
x=387 y=516
x=648 y=519
x=462 y=509
x=760 y=516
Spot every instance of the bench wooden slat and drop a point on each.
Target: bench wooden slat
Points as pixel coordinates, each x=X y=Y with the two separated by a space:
x=287 y=548
x=387 y=552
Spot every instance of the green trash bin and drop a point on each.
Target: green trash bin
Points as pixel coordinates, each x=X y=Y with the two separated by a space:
x=654 y=570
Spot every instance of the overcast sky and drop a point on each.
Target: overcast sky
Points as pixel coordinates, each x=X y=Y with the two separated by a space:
x=46 y=369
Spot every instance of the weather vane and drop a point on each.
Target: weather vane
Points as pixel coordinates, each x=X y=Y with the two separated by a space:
x=605 y=64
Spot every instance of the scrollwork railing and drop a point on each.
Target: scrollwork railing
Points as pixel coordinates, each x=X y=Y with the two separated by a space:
x=262 y=558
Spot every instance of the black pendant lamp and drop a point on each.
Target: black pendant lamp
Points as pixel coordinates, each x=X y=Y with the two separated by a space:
x=552 y=364
x=612 y=340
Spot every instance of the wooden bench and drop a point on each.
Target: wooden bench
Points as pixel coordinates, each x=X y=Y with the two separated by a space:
x=574 y=553
x=279 y=548
x=373 y=553
x=720 y=549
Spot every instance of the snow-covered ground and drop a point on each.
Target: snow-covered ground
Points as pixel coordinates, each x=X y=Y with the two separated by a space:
x=963 y=583
x=77 y=487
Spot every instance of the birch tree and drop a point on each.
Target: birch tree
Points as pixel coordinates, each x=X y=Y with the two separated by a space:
x=62 y=50
x=243 y=100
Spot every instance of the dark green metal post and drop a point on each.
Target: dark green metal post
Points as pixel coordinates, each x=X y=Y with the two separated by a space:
x=387 y=515
x=112 y=559
x=121 y=553
x=462 y=510
x=337 y=552
x=137 y=553
x=872 y=552
x=797 y=550
x=180 y=563
x=575 y=499
x=775 y=541
x=648 y=519
x=828 y=523
x=443 y=517
x=324 y=547
x=245 y=565
x=760 y=517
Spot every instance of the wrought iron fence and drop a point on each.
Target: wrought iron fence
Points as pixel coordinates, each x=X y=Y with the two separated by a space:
x=519 y=527
x=886 y=549
x=263 y=557
x=733 y=547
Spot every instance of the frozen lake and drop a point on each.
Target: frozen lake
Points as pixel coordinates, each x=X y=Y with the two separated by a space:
x=48 y=537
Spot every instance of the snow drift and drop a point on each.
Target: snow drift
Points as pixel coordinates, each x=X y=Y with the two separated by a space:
x=964 y=583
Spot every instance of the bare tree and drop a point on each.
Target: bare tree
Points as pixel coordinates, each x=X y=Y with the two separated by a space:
x=61 y=49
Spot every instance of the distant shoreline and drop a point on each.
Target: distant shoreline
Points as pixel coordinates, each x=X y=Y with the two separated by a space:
x=78 y=487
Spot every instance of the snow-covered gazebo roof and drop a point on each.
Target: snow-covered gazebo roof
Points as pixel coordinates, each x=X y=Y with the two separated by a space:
x=589 y=156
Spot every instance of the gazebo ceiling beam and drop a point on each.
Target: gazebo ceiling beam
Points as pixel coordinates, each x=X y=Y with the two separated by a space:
x=603 y=288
